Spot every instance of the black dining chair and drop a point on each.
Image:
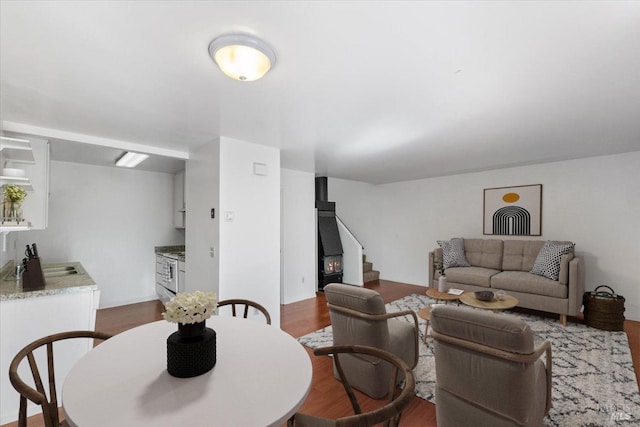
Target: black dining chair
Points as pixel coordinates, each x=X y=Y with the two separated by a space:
x=246 y=304
x=38 y=395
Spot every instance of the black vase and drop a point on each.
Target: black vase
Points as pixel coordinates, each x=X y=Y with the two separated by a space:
x=191 y=351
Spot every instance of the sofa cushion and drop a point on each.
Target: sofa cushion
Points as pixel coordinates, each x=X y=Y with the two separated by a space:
x=453 y=253
x=521 y=281
x=478 y=276
x=548 y=261
x=484 y=253
x=520 y=255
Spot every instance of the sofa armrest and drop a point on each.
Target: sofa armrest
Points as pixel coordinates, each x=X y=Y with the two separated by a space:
x=576 y=285
x=434 y=255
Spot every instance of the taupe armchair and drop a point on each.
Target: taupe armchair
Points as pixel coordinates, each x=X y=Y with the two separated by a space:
x=389 y=413
x=245 y=304
x=488 y=371
x=359 y=317
x=38 y=395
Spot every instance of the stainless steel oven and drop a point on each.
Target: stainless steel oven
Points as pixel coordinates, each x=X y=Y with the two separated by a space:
x=167 y=283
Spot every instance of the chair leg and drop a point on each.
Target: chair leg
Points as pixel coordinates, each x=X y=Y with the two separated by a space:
x=563 y=320
x=426 y=329
x=22 y=417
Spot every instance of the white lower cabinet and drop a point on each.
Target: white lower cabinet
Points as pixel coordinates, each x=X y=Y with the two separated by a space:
x=22 y=321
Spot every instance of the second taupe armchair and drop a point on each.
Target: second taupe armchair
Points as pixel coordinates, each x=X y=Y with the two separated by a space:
x=359 y=317
x=488 y=371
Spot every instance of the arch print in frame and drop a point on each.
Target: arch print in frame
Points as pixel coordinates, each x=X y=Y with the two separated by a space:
x=513 y=211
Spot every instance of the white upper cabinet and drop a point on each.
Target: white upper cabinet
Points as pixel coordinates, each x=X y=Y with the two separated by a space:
x=14 y=153
x=179 y=207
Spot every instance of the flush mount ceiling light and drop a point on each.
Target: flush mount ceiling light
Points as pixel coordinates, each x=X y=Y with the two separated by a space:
x=130 y=159
x=242 y=57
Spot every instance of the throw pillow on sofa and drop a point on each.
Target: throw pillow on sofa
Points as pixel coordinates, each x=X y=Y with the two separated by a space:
x=453 y=253
x=548 y=261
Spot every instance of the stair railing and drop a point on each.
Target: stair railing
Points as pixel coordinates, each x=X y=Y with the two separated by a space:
x=352 y=269
x=353 y=236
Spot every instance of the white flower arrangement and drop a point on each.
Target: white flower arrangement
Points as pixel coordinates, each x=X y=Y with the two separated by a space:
x=194 y=307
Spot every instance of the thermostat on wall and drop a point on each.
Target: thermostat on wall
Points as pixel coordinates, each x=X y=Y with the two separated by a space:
x=260 y=169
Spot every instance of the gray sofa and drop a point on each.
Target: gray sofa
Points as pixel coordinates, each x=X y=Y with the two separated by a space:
x=506 y=264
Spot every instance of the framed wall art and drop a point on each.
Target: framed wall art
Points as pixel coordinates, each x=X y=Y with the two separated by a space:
x=513 y=211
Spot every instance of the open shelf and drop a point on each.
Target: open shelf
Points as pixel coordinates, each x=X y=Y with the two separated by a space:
x=16 y=151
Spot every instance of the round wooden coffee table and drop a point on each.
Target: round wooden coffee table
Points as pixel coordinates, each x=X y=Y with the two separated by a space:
x=425 y=312
x=470 y=299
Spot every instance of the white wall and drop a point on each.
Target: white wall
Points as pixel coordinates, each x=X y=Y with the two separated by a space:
x=250 y=242
x=593 y=202
x=298 y=236
x=109 y=219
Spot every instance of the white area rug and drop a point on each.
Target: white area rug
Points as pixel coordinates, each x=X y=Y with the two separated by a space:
x=593 y=379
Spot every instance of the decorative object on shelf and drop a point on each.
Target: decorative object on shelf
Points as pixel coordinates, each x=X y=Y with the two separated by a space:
x=191 y=351
x=442 y=280
x=515 y=211
x=12 y=207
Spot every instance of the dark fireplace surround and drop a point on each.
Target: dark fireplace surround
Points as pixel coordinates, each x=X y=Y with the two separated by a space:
x=329 y=244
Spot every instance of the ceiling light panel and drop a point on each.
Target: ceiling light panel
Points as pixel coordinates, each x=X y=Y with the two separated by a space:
x=131 y=159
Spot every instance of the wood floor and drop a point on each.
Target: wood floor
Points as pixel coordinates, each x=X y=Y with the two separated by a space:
x=327 y=396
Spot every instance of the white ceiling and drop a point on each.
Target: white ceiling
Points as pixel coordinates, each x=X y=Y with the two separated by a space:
x=368 y=90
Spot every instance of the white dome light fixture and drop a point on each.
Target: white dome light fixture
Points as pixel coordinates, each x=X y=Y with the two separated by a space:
x=242 y=57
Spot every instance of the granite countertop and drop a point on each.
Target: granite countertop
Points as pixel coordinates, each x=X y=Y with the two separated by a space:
x=11 y=289
x=175 y=249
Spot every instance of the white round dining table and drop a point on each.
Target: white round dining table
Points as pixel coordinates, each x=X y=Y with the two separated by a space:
x=261 y=377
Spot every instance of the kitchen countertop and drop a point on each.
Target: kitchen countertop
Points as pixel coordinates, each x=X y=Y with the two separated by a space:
x=177 y=249
x=11 y=289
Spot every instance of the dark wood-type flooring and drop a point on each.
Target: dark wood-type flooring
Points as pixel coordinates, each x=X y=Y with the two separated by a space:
x=327 y=396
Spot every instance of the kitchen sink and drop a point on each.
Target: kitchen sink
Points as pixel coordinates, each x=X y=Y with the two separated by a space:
x=66 y=270
x=51 y=271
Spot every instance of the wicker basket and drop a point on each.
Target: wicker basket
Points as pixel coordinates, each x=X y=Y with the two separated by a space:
x=604 y=310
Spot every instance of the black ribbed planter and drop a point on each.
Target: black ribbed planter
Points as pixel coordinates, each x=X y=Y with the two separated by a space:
x=191 y=351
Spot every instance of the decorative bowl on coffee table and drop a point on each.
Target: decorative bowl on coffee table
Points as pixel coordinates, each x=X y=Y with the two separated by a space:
x=484 y=295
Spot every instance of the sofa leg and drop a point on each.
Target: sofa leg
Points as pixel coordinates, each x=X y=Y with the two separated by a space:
x=563 y=320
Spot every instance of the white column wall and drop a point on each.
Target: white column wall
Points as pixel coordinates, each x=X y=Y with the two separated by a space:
x=202 y=193
x=250 y=224
x=593 y=202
